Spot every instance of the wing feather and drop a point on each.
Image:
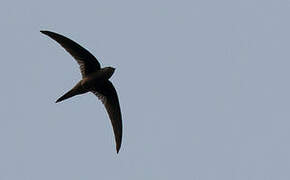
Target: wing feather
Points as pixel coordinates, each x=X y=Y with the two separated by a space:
x=87 y=62
x=108 y=95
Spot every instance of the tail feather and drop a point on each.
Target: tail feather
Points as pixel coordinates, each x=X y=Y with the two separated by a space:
x=78 y=89
x=67 y=95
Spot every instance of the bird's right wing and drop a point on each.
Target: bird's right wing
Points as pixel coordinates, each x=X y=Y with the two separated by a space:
x=88 y=63
x=108 y=95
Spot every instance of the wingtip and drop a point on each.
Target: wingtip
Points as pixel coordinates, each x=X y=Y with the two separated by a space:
x=45 y=32
x=118 y=147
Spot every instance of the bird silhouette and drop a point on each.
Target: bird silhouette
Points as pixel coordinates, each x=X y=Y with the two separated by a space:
x=94 y=79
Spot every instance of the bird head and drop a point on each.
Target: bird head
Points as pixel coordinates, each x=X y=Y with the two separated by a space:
x=109 y=71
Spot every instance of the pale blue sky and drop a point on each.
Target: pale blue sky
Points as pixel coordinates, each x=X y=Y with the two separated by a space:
x=203 y=86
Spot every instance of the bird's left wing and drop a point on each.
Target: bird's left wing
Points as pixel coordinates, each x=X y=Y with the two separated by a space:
x=88 y=63
x=108 y=95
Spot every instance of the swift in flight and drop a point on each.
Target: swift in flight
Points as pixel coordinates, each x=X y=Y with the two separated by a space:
x=94 y=79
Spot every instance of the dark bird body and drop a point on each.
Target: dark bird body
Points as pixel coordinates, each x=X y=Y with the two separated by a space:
x=95 y=79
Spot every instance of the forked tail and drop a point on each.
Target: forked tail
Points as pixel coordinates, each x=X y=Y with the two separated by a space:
x=78 y=89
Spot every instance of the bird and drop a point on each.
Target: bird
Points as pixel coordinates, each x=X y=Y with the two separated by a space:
x=94 y=79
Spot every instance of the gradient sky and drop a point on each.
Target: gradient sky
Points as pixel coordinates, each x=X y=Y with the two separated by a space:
x=203 y=87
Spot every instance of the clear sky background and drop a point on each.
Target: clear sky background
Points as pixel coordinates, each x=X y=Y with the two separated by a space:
x=203 y=86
